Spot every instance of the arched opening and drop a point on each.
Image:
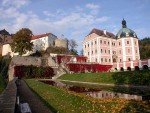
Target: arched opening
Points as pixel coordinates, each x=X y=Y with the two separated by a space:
x=129 y=68
x=121 y=69
x=114 y=59
x=136 y=68
x=115 y=69
x=145 y=67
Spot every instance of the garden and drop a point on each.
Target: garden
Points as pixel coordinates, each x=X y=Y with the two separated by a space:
x=63 y=101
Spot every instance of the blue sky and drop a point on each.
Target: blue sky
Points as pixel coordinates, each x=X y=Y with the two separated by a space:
x=75 y=18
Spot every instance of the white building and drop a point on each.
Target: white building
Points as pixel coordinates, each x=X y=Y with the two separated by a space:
x=40 y=42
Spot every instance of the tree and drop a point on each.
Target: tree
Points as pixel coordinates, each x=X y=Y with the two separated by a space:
x=73 y=44
x=144 y=47
x=21 y=41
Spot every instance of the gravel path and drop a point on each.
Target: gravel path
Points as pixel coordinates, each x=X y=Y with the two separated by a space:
x=26 y=95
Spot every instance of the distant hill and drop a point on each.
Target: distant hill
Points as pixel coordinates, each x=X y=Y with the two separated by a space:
x=144 y=46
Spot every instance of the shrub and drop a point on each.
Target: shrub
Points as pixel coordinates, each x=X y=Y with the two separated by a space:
x=33 y=72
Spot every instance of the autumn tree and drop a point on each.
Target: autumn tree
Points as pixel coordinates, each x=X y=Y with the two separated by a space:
x=22 y=41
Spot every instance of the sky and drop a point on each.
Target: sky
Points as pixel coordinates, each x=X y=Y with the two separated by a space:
x=74 y=19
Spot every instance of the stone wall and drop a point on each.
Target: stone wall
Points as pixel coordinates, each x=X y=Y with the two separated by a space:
x=20 y=60
x=35 y=61
x=61 y=43
x=8 y=98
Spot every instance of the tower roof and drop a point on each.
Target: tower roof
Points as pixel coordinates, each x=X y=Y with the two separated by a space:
x=125 y=32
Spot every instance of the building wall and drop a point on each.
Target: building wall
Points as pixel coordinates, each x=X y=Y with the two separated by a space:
x=123 y=52
x=61 y=43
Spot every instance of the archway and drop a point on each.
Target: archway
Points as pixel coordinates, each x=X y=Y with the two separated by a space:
x=145 y=67
x=121 y=69
x=129 y=68
x=136 y=68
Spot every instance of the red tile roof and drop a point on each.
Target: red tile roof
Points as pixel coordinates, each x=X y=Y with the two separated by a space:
x=39 y=36
x=101 y=33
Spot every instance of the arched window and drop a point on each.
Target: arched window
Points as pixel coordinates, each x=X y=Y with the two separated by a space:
x=121 y=69
x=129 y=68
x=145 y=67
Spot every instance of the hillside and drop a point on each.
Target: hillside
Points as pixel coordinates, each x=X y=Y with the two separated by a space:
x=144 y=47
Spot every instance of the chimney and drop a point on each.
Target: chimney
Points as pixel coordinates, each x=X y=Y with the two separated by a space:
x=104 y=31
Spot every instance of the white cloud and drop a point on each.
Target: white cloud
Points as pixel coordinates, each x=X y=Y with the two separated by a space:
x=73 y=24
x=92 y=6
x=102 y=19
x=14 y=3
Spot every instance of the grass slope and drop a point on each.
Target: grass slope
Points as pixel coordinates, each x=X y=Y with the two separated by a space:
x=131 y=78
x=71 y=102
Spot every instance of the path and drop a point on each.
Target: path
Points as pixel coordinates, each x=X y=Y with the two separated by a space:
x=104 y=84
x=26 y=95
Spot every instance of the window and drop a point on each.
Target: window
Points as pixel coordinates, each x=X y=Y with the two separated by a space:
x=92 y=52
x=101 y=41
x=88 y=53
x=96 y=60
x=109 y=51
x=105 y=60
x=119 y=43
x=109 y=60
x=108 y=43
x=104 y=42
x=128 y=50
x=85 y=46
x=95 y=51
x=127 y=42
x=120 y=51
x=95 y=42
x=101 y=59
x=129 y=59
x=92 y=43
x=136 y=51
x=105 y=50
x=88 y=45
x=135 y=42
x=114 y=44
x=101 y=50
x=120 y=60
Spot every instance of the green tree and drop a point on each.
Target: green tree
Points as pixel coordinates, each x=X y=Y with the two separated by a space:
x=144 y=46
x=22 y=41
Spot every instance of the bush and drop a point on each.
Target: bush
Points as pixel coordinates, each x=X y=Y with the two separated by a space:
x=33 y=72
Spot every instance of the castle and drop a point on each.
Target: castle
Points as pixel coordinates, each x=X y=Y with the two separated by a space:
x=102 y=51
x=120 y=50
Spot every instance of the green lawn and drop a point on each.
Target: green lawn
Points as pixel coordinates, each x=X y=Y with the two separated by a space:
x=2 y=84
x=130 y=77
x=71 y=102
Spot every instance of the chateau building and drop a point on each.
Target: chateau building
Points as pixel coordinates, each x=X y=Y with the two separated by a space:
x=120 y=50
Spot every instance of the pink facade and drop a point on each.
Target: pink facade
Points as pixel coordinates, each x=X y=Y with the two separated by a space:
x=107 y=50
